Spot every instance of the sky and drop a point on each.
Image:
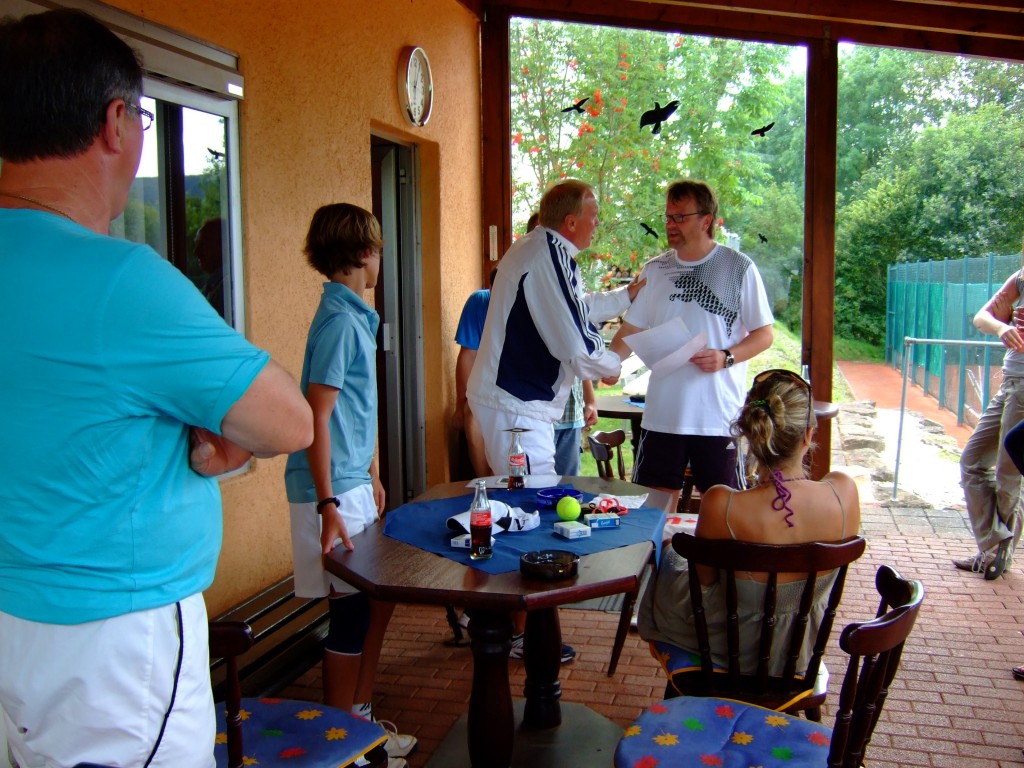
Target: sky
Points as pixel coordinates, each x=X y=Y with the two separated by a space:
x=202 y=132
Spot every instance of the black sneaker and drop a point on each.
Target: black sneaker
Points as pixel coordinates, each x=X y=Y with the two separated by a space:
x=516 y=651
x=998 y=565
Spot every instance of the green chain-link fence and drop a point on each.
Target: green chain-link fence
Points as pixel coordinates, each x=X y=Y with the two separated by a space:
x=938 y=300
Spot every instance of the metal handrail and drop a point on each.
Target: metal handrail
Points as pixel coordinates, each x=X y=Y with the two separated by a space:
x=908 y=342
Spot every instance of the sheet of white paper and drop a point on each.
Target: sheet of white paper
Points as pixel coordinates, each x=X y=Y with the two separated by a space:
x=682 y=356
x=659 y=342
x=668 y=346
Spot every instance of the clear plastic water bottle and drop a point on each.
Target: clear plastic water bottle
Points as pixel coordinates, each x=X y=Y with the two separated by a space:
x=480 y=524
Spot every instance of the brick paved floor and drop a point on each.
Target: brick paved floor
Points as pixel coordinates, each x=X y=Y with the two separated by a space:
x=953 y=703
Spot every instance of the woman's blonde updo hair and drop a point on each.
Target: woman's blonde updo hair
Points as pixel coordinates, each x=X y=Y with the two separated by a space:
x=774 y=418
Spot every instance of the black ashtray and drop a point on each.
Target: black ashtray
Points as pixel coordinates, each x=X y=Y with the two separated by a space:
x=549 y=564
x=638 y=398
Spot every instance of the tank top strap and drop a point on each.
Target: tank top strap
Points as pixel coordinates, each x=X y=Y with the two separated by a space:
x=728 y=504
x=842 y=509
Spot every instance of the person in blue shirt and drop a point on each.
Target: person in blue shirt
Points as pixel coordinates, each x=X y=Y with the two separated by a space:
x=467 y=336
x=116 y=373
x=580 y=411
x=334 y=490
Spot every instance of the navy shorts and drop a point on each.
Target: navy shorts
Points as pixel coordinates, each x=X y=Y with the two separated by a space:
x=661 y=460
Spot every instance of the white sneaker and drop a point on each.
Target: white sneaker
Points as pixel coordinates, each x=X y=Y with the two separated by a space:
x=516 y=651
x=399 y=744
x=393 y=762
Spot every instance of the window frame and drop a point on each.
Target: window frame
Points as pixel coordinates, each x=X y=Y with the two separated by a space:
x=194 y=74
x=233 y=254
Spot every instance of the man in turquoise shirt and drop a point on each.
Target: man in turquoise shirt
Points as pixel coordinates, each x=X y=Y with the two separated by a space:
x=116 y=372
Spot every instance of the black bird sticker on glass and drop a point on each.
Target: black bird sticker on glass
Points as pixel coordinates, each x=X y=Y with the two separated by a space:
x=578 y=106
x=762 y=130
x=657 y=116
x=647 y=229
x=762 y=238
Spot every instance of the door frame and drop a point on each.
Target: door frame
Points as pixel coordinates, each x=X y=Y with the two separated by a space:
x=401 y=423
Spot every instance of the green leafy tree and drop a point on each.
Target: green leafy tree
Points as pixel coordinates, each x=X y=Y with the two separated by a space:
x=772 y=235
x=955 y=192
x=928 y=157
x=784 y=154
x=724 y=89
x=203 y=206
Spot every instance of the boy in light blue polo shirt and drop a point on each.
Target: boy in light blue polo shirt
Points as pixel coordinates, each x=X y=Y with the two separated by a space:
x=333 y=486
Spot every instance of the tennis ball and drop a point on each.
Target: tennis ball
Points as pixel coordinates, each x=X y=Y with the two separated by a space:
x=568 y=508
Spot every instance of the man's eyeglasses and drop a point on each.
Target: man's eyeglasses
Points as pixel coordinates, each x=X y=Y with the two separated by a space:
x=781 y=374
x=145 y=115
x=679 y=218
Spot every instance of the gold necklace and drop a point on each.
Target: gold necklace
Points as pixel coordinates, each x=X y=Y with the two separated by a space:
x=40 y=203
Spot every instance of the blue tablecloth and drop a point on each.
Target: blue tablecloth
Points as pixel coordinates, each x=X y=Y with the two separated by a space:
x=423 y=524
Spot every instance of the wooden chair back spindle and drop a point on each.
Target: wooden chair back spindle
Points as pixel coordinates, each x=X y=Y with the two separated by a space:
x=759 y=686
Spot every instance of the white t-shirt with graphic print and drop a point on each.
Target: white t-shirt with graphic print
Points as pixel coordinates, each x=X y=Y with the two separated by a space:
x=722 y=295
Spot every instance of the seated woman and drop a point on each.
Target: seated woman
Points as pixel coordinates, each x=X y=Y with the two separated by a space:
x=786 y=507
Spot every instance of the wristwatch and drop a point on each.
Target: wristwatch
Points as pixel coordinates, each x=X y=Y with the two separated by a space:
x=729 y=359
x=324 y=502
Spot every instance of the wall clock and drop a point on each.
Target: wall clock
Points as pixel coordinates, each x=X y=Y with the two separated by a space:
x=415 y=85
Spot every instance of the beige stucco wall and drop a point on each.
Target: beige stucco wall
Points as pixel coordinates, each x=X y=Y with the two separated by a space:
x=320 y=77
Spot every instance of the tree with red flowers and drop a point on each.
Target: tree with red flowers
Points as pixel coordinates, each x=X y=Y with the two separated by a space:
x=723 y=88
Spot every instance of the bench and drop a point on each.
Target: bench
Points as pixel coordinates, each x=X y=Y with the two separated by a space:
x=288 y=633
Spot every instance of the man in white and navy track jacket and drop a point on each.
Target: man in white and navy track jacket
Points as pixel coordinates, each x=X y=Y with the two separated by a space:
x=539 y=336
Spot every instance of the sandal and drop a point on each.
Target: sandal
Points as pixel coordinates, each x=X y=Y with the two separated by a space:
x=1018 y=672
x=997 y=566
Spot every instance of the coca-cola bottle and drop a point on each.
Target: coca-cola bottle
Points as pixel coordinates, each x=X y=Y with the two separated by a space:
x=516 y=462
x=480 y=524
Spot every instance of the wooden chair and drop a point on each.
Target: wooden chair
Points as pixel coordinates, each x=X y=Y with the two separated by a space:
x=686 y=494
x=625 y=621
x=605 y=445
x=793 y=690
x=716 y=731
x=279 y=729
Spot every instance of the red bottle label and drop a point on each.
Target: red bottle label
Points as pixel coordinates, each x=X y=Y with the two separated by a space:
x=480 y=518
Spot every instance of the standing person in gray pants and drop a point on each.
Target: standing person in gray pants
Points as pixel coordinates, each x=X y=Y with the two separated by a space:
x=991 y=481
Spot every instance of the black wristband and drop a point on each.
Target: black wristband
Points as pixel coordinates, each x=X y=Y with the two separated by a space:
x=324 y=502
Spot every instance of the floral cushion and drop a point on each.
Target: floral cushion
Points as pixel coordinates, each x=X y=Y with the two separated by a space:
x=299 y=734
x=694 y=731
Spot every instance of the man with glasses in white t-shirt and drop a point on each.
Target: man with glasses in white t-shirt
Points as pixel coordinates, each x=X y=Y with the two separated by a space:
x=715 y=289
